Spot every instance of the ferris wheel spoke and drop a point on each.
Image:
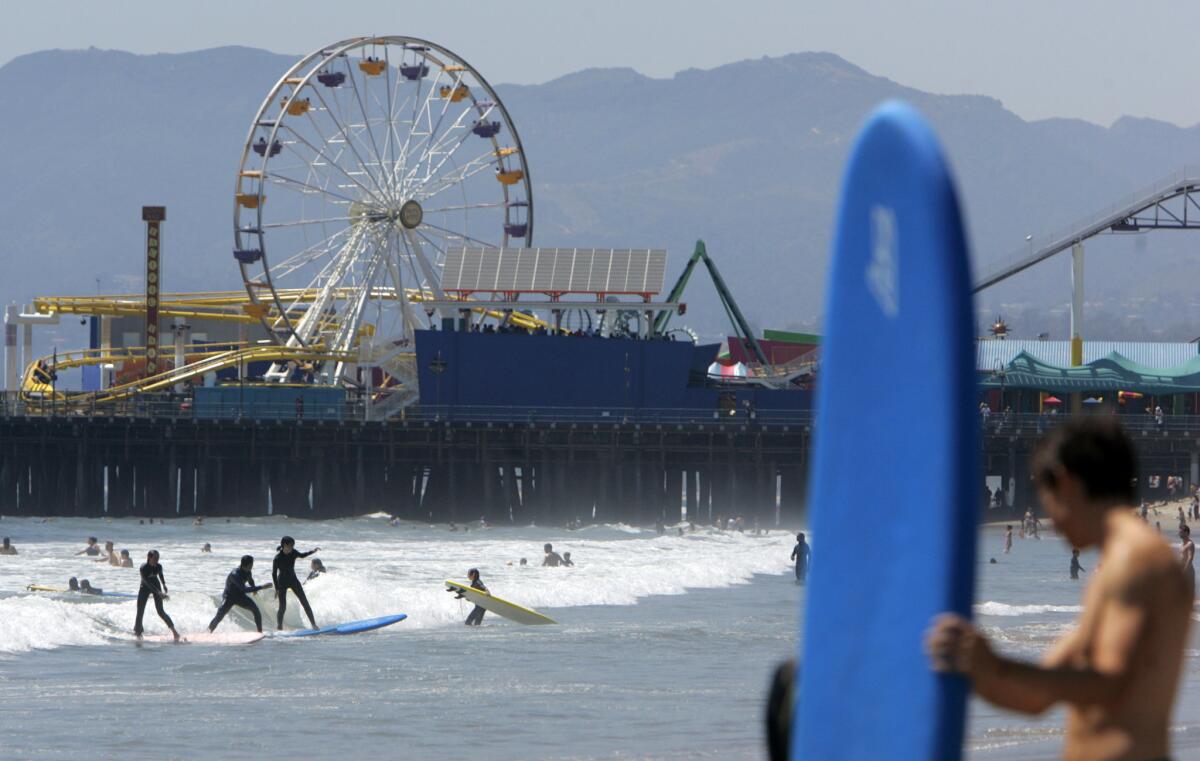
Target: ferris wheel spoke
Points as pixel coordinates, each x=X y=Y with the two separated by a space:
x=304 y=222
x=329 y=160
x=284 y=180
x=367 y=126
x=350 y=141
x=466 y=207
x=310 y=254
x=459 y=175
x=433 y=170
x=423 y=113
x=472 y=109
x=448 y=235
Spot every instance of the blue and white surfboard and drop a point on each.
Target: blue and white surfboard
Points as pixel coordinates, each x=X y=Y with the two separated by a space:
x=894 y=481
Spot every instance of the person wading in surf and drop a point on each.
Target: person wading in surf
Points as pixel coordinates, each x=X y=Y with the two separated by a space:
x=1118 y=670
x=475 y=617
x=239 y=585
x=802 y=554
x=153 y=583
x=283 y=572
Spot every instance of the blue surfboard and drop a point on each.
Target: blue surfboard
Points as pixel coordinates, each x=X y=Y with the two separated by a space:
x=894 y=486
x=350 y=627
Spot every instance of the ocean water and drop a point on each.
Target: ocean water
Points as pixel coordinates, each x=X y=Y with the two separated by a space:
x=664 y=649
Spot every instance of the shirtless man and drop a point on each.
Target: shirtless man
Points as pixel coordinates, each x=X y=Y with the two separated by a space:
x=1118 y=670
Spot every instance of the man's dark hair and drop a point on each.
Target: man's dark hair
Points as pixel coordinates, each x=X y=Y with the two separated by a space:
x=1094 y=449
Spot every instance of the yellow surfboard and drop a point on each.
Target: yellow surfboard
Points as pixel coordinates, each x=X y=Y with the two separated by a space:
x=500 y=606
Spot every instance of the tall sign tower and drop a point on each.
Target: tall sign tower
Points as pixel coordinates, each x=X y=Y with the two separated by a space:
x=153 y=216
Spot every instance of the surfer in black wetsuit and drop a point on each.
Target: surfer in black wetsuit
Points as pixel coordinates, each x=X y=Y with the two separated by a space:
x=475 y=617
x=284 y=574
x=802 y=554
x=86 y=588
x=239 y=585
x=153 y=583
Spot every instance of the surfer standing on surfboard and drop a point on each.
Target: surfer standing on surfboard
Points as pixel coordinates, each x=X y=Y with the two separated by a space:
x=283 y=572
x=1118 y=669
x=153 y=583
x=239 y=585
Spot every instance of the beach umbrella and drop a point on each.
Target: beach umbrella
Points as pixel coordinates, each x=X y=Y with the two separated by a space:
x=1052 y=400
x=1091 y=400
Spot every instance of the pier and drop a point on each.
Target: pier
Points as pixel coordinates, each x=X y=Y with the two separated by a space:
x=552 y=467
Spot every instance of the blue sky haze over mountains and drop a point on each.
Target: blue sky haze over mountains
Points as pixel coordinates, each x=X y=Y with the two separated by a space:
x=747 y=156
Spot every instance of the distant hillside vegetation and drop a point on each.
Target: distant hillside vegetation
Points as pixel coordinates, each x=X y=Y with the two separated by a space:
x=747 y=156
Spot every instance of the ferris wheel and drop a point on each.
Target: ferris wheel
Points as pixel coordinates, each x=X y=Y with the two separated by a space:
x=365 y=164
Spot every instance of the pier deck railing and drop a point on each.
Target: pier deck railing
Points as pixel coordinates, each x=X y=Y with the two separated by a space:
x=180 y=407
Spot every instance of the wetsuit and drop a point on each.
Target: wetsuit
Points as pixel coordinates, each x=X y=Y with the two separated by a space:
x=801 y=555
x=153 y=583
x=284 y=573
x=239 y=585
x=1075 y=567
x=475 y=617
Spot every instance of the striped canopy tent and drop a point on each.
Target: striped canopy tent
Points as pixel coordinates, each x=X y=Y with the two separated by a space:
x=1113 y=373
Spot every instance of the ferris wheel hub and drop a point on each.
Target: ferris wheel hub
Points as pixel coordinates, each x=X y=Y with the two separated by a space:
x=411 y=214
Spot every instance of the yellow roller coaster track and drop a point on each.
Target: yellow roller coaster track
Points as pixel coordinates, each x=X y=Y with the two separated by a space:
x=36 y=387
x=232 y=306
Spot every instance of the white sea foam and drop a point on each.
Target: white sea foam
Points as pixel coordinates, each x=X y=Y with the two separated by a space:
x=991 y=608
x=374 y=570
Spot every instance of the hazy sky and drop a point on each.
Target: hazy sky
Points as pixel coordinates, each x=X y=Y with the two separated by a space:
x=1092 y=59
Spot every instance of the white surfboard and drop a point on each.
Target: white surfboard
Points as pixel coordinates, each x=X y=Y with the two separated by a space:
x=500 y=606
x=205 y=638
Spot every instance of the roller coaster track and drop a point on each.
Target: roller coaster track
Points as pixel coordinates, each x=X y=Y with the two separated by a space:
x=1172 y=203
x=37 y=386
x=231 y=306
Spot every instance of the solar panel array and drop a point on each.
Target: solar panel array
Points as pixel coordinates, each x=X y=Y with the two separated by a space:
x=554 y=270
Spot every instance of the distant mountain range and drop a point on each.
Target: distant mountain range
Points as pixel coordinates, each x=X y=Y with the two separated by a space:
x=747 y=156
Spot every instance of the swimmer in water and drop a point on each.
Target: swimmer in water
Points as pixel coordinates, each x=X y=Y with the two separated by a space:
x=92 y=549
x=315 y=569
x=475 y=617
x=86 y=588
x=1075 y=566
x=206 y=548
x=552 y=559
x=73 y=584
x=1008 y=539
x=153 y=583
x=110 y=555
x=126 y=561
x=567 y=559
x=7 y=548
x=239 y=585
x=283 y=573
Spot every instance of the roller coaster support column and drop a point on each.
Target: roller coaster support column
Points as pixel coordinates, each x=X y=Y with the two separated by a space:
x=11 y=366
x=182 y=337
x=1076 y=316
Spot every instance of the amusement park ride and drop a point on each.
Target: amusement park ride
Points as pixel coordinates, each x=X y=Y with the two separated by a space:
x=369 y=166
